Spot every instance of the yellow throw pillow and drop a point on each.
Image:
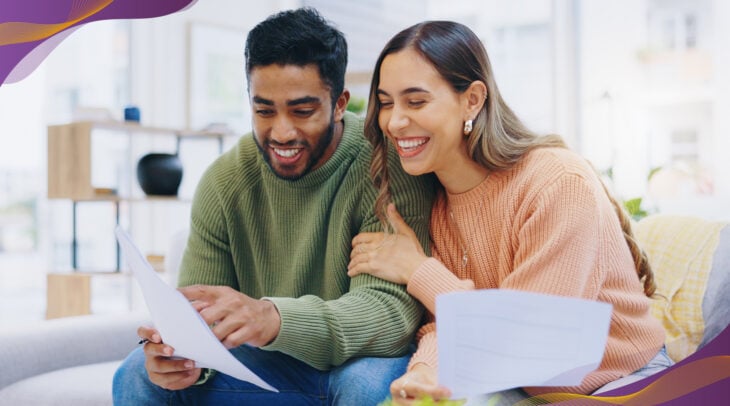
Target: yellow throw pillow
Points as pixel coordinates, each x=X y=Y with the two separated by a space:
x=680 y=251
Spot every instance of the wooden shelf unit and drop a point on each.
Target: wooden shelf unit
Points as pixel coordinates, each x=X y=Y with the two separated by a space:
x=70 y=164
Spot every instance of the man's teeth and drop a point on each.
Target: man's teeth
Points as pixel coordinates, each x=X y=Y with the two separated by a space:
x=286 y=153
x=406 y=144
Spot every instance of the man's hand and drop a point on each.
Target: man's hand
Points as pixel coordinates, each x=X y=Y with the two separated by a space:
x=173 y=374
x=234 y=317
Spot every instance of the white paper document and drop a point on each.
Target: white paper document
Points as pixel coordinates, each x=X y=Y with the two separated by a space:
x=179 y=324
x=497 y=339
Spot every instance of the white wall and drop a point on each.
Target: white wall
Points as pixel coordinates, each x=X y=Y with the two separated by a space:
x=611 y=123
x=159 y=54
x=721 y=11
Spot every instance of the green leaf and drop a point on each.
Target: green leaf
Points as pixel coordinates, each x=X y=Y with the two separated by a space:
x=633 y=206
x=427 y=401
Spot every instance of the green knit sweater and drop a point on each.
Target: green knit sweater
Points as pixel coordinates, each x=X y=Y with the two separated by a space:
x=290 y=241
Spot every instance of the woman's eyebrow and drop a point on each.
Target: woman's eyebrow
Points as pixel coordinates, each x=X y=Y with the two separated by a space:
x=405 y=91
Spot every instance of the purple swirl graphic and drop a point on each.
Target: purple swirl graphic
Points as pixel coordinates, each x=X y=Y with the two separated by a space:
x=31 y=29
x=702 y=378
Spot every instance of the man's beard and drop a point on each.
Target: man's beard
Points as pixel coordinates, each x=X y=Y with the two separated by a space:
x=315 y=154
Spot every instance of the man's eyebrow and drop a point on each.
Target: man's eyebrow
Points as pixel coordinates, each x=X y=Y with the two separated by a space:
x=261 y=100
x=303 y=100
x=294 y=102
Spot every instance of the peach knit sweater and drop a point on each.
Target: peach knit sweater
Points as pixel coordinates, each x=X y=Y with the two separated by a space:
x=545 y=226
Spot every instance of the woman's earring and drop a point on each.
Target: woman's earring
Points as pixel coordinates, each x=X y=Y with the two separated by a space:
x=467 y=127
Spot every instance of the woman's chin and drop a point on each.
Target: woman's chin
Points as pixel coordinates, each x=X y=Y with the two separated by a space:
x=415 y=170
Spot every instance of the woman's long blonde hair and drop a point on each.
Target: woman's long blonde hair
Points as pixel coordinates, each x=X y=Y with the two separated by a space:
x=498 y=140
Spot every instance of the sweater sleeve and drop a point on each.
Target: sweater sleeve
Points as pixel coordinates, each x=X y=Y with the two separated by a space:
x=427 y=352
x=207 y=257
x=557 y=240
x=431 y=279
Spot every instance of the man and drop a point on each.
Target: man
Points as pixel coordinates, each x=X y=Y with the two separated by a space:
x=271 y=229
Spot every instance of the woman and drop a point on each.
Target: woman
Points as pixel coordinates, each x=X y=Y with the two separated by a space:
x=516 y=211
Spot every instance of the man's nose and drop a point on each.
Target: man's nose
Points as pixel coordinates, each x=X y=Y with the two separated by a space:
x=283 y=130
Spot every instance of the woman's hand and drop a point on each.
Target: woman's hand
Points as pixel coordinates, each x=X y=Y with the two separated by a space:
x=393 y=257
x=418 y=383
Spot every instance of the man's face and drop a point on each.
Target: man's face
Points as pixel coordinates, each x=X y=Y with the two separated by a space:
x=293 y=119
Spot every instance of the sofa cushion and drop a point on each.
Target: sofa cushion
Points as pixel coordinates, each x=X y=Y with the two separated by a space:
x=682 y=252
x=78 y=386
x=48 y=345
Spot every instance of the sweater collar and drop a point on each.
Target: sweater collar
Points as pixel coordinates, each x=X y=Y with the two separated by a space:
x=471 y=196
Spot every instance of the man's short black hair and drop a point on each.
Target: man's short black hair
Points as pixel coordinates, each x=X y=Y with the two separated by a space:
x=300 y=37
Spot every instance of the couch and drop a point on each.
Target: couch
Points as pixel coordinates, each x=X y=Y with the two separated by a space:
x=71 y=361
x=66 y=361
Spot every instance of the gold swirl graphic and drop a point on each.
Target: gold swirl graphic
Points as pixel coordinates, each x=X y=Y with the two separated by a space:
x=21 y=32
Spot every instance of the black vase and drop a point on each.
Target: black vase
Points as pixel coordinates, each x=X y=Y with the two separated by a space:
x=159 y=174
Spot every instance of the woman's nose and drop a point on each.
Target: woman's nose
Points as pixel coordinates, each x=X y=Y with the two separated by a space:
x=397 y=120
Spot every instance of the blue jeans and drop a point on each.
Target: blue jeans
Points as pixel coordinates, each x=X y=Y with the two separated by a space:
x=360 y=381
x=660 y=362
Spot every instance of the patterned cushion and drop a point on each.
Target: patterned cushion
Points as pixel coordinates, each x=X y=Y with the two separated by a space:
x=681 y=250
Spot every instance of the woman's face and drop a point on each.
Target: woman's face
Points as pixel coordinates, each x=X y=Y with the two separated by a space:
x=421 y=114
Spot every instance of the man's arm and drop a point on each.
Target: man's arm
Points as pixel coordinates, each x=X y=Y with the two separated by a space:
x=376 y=317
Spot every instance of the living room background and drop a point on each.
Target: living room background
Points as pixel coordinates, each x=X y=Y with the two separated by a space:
x=632 y=85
